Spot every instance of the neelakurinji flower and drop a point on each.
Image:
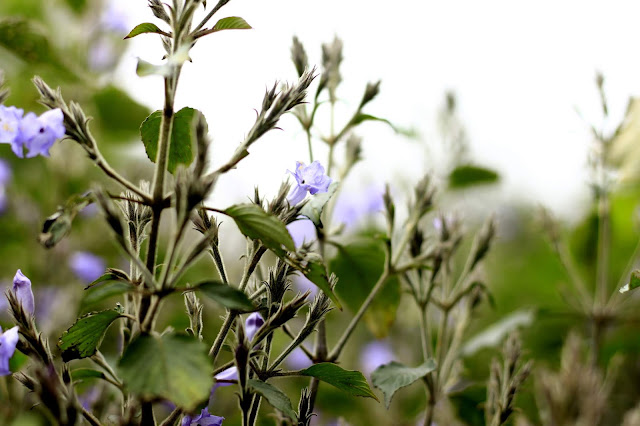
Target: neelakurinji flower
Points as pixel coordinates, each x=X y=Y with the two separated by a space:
x=204 y=419
x=22 y=290
x=374 y=355
x=87 y=266
x=10 y=118
x=252 y=325
x=308 y=178
x=38 y=134
x=8 y=342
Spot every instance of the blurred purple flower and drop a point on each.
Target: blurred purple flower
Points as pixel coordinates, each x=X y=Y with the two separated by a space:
x=115 y=18
x=204 y=419
x=351 y=208
x=374 y=355
x=8 y=342
x=87 y=266
x=22 y=290
x=90 y=397
x=252 y=325
x=308 y=178
x=297 y=360
x=10 y=118
x=303 y=284
x=302 y=230
x=5 y=171
x=102 y=55
x=38 y=134
x=89 y=211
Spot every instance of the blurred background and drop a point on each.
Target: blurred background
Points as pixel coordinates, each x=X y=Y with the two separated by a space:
x=507 y=89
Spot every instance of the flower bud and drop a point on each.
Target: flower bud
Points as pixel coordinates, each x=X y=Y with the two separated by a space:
x=22 y=290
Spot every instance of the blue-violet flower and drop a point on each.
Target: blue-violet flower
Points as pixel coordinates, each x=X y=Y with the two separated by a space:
x=22 y=290
x=10 y=118
x=8 y=342
x=38 y=134
x=309 y=178
x=252 y=325
x=87 y=266
x=204 y=419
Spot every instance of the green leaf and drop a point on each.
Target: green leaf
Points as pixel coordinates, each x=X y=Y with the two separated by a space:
x=78 y=6
x=316 y=272
x=145 y=69
x=257 y=224
x=468 y=175
x=86 y=373
x=110 y=275
x=358 y=267
x=274 y=396
x=173 y=367
x=361 y=118
x=227 y=296
x=144 y=28
x=352 y=382
x=393 y=376
x=315 y=205
x=82 y=339
x=634 y=282
x=181 y=148
x=231 y=23
x=496 y=333
x=58 y=225
x=118 y=114
x=98 y=293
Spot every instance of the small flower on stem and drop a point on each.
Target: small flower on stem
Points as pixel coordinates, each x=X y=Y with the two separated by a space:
x=253 y=324
x=309 y=178
x=10 y=118
x=22 y=290
x=38 y=134
x=204 y=419
x=8 y=342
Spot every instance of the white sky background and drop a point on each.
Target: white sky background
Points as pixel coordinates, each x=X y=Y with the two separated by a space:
x=519 y=70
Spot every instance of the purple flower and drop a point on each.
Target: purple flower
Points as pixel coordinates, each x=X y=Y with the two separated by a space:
x=297 y=360
x=115 y=18
x=8 y=342
x=230 y=373
x=252 y=325
x=204 y=419
x=102 y=55
x=87 y=266
x=3 y=200
x=303 y=284
x=22 y=290
x=309 y=178
x=38 y=134
x=10 y=118
x=351 y=208
x=374 y=355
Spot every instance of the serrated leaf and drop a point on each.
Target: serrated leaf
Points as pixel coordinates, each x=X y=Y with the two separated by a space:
x=98 y=293
x=358 y=266
x=82 y=339
x=172 y=367
x=352 y=382
x=315 y=205
x=231 y=23
x=227 y=296
x=634 y=282
x=257 y=224
x=181 y=147
x=391 y=377
x=496 y=333
x=144 y=28
x=274 y=396
x=86 y=373
x=468 y=175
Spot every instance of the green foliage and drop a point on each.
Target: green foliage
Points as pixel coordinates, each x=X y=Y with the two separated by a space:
x=118 y=115
x=495 y=334
x=257 y=224
x=469 y=175
x=181 y=148
x=231 y=23
x=634 y=282
x=99 y=292
x=358 y=267
x=78 y=6
x=227 y=296
x=315 y=205
x=82 y=339
x=173 y=367
x=393 y=376
x=274 y=396
x=144 y=28
x=86 y=373
x=316 y=272
x=352 y=382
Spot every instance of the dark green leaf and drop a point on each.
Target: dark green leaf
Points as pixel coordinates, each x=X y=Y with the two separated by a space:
x=358 y=267
x=181 y=148
x=274 y=396
x=393 y=376
x=172 y=367
x=316 y=272
x=84 y=337
x=314 y=206
x=468 y=175
x=86 y=373
x=634 y=282
x=98 y=293
x=352 y=382
x=144 y=28
x=118 y=114
x=257 y=224
x=231 y=23
x=227 y=296
x=78 y=6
